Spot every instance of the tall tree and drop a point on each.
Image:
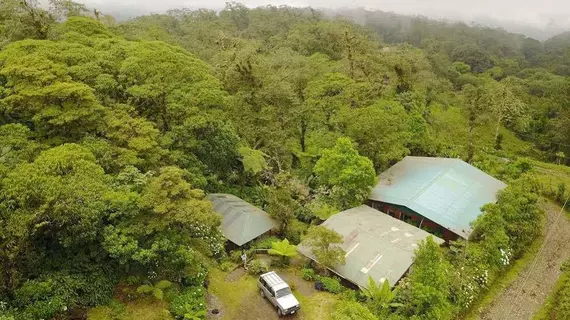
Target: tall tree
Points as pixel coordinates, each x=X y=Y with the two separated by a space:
x=429 y=284
x=51 y=209
x=325 y=245
x=348 y=175
x=21 y=19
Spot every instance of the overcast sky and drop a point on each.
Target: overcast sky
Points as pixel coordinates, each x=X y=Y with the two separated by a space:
x=538 y=13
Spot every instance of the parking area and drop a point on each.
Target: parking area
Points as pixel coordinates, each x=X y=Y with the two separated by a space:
x=236 y=296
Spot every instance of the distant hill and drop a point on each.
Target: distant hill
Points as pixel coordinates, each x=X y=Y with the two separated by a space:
x=391 y=20
x=124 y=11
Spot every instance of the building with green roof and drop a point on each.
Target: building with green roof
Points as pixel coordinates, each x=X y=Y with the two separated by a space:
x=441 y=195
x=241 y=221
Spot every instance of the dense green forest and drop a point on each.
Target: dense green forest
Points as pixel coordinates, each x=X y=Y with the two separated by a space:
x=112 y=133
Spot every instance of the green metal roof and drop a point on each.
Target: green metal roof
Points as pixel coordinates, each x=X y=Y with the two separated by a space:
x=375 y=243
x=241 y=221
x=449 y=192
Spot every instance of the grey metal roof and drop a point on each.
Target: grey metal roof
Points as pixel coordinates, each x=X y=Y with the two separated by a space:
x=447 y=191
x=241 y=221
x=375 y=243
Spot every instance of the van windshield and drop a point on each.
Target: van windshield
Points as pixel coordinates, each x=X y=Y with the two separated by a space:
x=283 y=292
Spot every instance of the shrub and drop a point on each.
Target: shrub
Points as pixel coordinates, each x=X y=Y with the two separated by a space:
x=284 y=250
x=157 y=290
x=564 y=301
x=196 y=279
x=349 y=295
x=351 y=310
x=380 y=298
x=189 y=304
x=332 y=285
x=132 y=280
x=227 y=266
x=265 y=243
x=235 y=256
x=117 y=306
x=52 y=294
x=308 y=274
x=256 y=267
x=561 y=193
x=295 y=230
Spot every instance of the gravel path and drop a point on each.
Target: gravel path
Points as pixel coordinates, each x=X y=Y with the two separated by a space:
x=522 y=299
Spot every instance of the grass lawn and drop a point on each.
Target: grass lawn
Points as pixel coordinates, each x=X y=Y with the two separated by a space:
x=240 y=297
x=230 y=294
x=141 y=309
x=317 y=306
x=551 y=176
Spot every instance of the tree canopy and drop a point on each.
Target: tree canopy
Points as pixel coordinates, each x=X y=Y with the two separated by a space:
x=111 y=134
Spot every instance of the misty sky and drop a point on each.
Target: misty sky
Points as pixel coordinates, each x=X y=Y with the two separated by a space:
x=538 y=13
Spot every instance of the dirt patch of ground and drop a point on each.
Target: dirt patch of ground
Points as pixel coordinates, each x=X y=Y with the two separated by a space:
x=524 y=297
x=305 y=288
x=214 y=303
x=236 y=274
x=255 y=307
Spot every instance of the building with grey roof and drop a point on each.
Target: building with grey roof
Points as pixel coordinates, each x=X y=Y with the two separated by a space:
x=241 y=221
x=376 y=245
x=439 y=194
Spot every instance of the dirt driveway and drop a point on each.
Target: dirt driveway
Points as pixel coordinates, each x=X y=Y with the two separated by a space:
x=522 y=299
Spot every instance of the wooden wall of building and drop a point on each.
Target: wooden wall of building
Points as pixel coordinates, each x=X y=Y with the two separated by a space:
x=413 y=218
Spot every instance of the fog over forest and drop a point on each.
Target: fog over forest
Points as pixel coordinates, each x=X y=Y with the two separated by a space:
x=537 y=19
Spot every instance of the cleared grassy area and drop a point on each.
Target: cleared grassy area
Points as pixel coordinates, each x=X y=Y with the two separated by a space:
x=318 y=306
x=551 y=175
x=141 y=309
x=504 y=280
x=231 y=294
x=240 y=298
x=451 y=125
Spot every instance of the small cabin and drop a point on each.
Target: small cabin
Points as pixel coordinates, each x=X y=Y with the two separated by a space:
x=242 y=222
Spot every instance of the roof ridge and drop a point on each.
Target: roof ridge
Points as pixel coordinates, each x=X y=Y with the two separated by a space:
x=246 y=225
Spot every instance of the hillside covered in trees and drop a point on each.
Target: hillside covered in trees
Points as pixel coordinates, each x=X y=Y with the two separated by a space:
x=112 y=133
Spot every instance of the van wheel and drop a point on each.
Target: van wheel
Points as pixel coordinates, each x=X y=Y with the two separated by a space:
x=261 y=293
x=279 y=312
